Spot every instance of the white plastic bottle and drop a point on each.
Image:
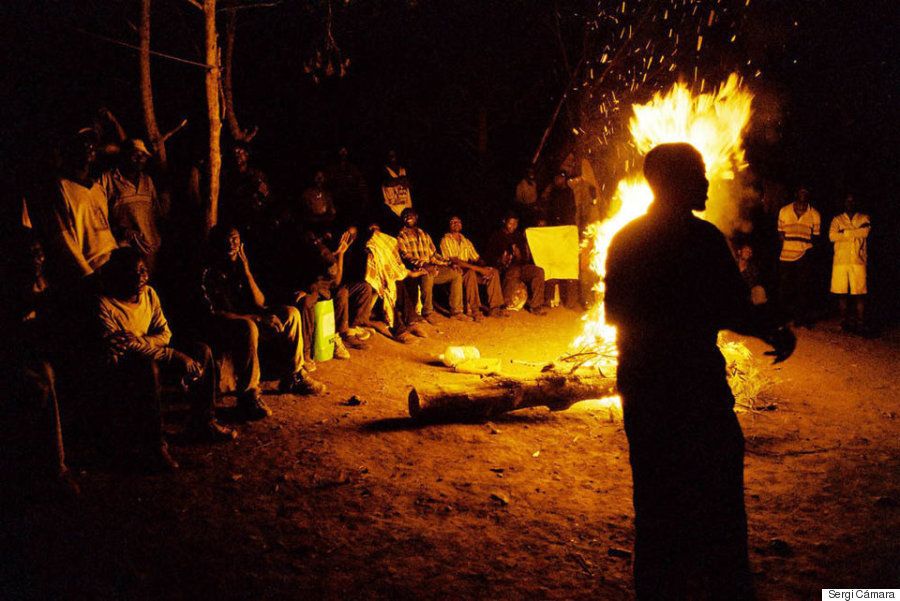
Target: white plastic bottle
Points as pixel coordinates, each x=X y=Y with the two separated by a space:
x=454 y=355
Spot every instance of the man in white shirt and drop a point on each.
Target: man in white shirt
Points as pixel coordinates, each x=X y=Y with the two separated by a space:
x=798 y=225
x=849 y=232
x=79 y=239
x=395 y=187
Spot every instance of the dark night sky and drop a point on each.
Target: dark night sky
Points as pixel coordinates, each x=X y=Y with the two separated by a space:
x=420 y=77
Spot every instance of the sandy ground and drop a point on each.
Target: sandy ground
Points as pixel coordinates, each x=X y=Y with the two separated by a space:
x=326 y=500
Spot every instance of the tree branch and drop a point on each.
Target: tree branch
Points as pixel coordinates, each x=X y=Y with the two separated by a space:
x=237 y=133
x=174 y=131
x=244 y=6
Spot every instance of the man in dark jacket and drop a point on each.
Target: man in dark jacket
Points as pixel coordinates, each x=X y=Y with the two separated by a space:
x=238 y=318
x=558 y=202
x=507 y=250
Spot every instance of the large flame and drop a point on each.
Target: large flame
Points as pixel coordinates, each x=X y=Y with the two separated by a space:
x=714 y=124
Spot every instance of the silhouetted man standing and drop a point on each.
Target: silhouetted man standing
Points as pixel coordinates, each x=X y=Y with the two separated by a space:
x=671 y=285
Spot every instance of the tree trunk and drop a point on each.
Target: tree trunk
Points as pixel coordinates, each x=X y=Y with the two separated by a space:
x=227 y=61
x=501 y=395
x=156 y=141
x=214 y=113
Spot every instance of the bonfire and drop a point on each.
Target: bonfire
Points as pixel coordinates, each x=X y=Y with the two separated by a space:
x=713 y=123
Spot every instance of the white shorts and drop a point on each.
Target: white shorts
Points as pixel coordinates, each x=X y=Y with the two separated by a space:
x=848 y=279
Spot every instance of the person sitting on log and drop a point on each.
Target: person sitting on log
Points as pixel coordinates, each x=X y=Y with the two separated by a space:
x=325 y=279
x=395 y=285
x=137 y=343
x=419 y=253
x=508 y=251
x=237 y=317
x=461 y=252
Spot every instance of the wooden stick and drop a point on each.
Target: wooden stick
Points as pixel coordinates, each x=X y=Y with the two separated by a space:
x=249 y=5
x=174 y=130
x=562 y=99
x=153 y=52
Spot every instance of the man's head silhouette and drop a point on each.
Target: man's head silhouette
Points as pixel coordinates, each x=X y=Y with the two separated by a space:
x=677 y=175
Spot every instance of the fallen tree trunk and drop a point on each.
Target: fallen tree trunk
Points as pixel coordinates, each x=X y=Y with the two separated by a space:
x=501 y=395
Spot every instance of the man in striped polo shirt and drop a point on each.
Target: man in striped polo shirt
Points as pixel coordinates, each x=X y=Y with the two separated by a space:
x=798 y=223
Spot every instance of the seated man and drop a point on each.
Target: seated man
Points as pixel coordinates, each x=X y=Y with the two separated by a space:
x=238 y=317
x=136 y=339
x=461 y=252
x=394 y=284
x=508 y=251
x=418 y=252
x=352 y=300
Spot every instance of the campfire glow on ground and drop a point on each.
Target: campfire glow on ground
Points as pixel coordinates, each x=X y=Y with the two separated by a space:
x=712 y=122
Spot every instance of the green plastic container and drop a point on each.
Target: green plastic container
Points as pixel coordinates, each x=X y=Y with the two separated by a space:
x=323 y=334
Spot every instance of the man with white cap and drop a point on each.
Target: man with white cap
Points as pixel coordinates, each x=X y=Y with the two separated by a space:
x=134 y=206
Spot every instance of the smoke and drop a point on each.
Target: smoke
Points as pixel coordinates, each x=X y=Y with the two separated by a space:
x=731 y=202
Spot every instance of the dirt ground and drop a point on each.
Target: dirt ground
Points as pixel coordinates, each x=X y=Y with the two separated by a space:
x=330 y=501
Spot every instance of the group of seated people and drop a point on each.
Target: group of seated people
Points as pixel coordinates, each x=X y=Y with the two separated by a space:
x=87 y=322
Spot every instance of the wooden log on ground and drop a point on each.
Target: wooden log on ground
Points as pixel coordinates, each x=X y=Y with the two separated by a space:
x=495 y=396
